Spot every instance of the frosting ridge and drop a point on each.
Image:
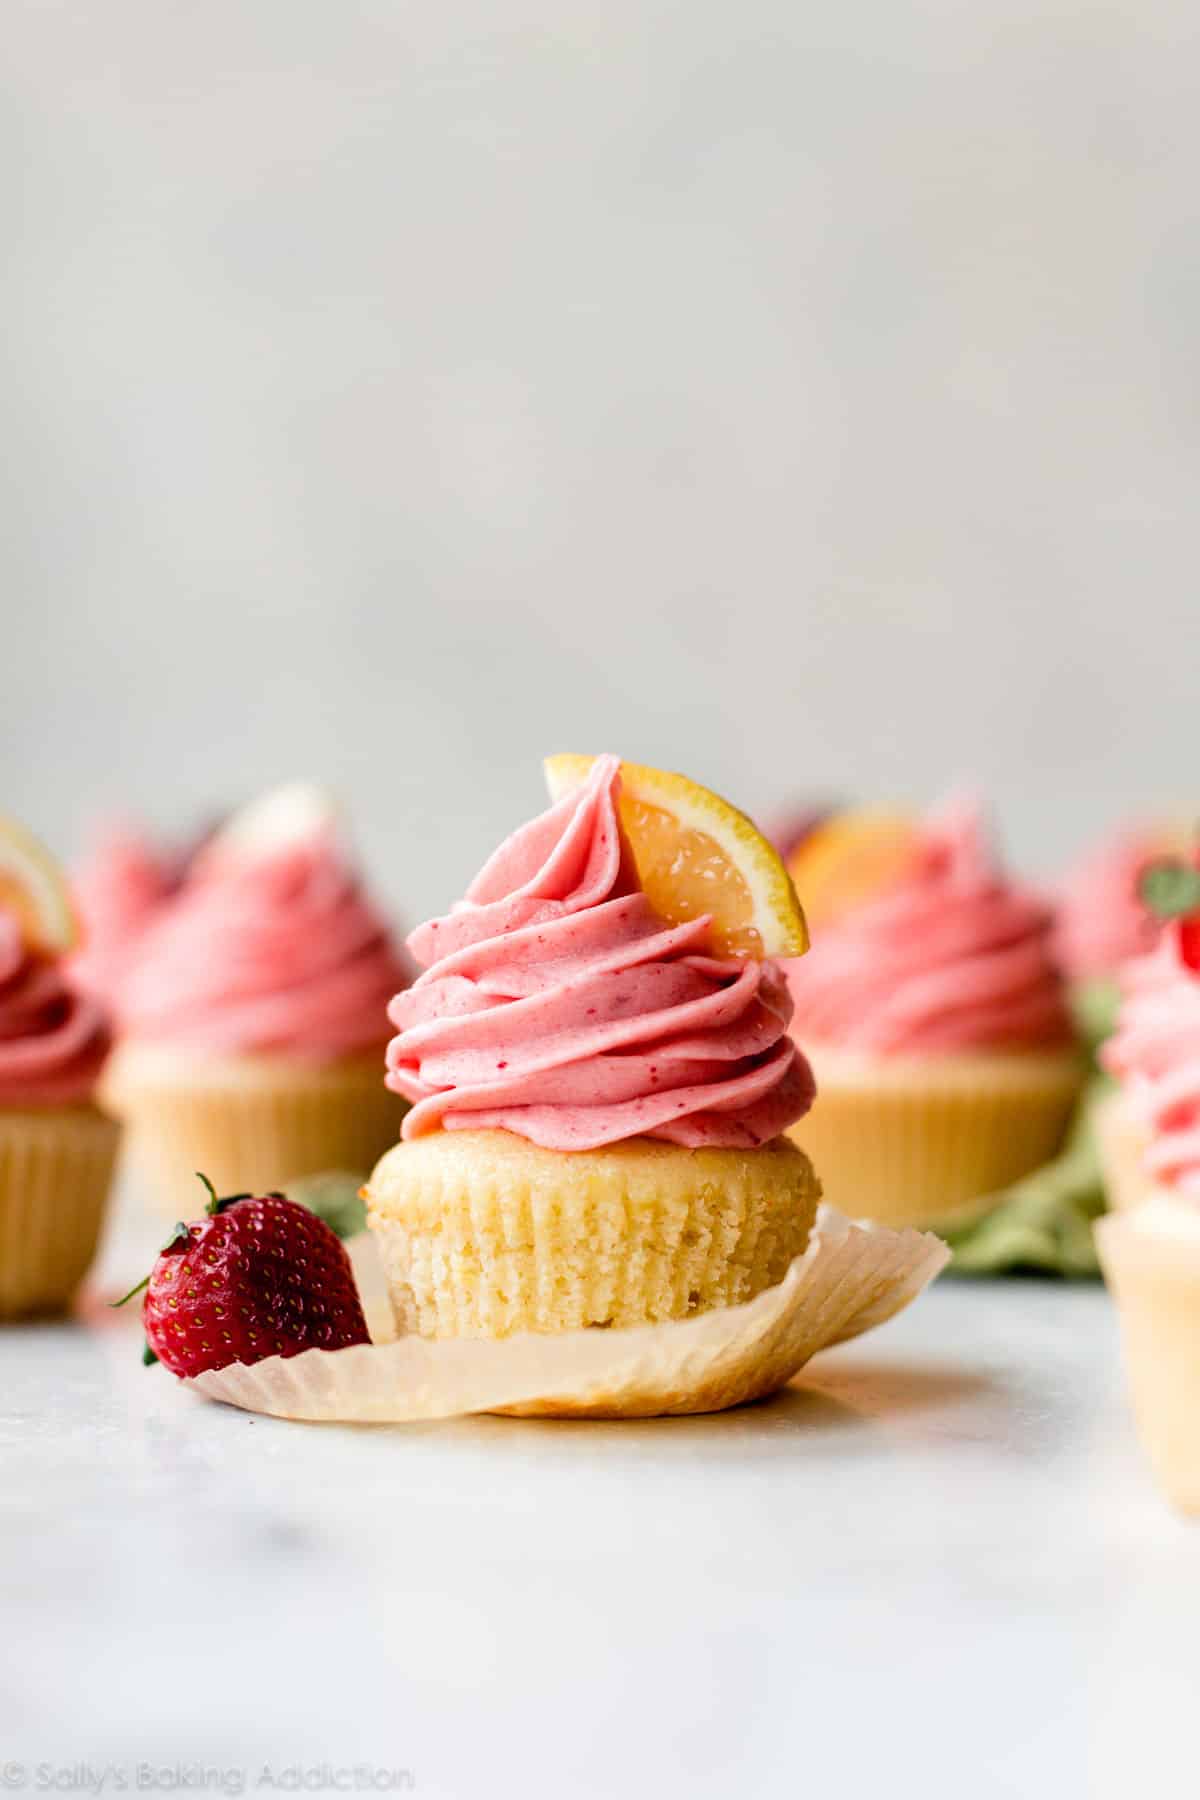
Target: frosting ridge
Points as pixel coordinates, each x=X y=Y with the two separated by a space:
x=53 y=1039
x=954 y=957
x=1155 y=1053
x=119 y=888
x=556 y=1004
x=274 y=952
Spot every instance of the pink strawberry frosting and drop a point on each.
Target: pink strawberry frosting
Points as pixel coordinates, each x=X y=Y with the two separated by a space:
x=1101 y=921
x=53 y=1039
x=278 y=952
x=118 y=890
x=556 y=1004
x=953 y=958
x=1155 y=1054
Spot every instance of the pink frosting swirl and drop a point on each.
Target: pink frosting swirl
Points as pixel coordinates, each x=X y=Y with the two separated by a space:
x=275 y=952
x=53 y=1039
x=1101 y=922
x=1155 y=1054
x=953 y=958
x=118 y=890
x=556 y=1004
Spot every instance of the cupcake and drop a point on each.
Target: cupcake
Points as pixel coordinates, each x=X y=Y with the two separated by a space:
x=254 y=1016
x=1151 y=1252
x=57 y=1148
x=934 y=1017
x=600 y=1070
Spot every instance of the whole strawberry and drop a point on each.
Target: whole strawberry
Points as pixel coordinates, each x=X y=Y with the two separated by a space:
x=258 y=1276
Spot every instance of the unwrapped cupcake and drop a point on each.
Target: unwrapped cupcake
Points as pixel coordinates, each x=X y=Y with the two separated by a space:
x=254 y=1015
x=57 y=1149
x=934 y=1015
x=1150 y=1251
x=601 y=1073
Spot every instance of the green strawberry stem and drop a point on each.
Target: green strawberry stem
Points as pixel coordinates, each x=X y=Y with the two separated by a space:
x=213 y=1202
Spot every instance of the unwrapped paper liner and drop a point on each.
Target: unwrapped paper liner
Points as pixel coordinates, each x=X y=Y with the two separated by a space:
x=850 y=1278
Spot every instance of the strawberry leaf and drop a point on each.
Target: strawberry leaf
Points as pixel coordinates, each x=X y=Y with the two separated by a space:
x=1170 y=889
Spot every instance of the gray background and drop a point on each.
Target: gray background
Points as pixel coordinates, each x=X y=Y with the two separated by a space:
x=802 y=395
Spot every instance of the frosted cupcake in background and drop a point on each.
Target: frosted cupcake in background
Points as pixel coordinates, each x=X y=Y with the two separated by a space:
x=1150 y=1249
x=57 y=1149
x=1101 y=922
x=119 y=890
x=1136 y=1136
x=934 y=1015
x=254 y=1015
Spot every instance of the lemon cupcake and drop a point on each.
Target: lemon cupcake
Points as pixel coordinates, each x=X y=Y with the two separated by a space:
x=934 y=1016
x=600 y=1070
x=254 y=1019
x=1150 y=1251
x=57 y=1148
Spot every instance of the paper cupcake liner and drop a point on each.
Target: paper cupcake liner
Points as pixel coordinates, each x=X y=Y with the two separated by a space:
x=251 y=1127
x=55 y=1172
x=930 y=1147
x=1151 y=1261
x=1122 y=1140
x=849 y=1279
x=483 y=1234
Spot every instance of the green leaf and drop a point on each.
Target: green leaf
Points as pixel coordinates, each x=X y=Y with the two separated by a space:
x=1170 y=889
x=1044 y=1221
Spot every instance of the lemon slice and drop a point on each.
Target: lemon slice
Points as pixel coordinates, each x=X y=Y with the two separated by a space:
x=696 y=854
x=850 y=859
x=33 y=888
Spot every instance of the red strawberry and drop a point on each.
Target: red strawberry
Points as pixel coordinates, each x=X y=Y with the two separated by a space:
x=258 y=1276
x=1189 y=941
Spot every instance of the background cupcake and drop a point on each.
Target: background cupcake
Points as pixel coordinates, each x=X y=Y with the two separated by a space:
x=934 y=1016
x=57 y=1148
x=599 y=1083
x=1101 y=922
x=1151 y=1252
x=119 y=890
x=254 y=1018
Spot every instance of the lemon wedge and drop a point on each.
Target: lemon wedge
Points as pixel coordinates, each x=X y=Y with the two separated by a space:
x=34 y=889
x=851 y=858
x=696 y=854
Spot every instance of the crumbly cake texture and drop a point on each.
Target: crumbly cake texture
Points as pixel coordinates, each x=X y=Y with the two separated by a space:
x=1150 y=1255
x=56 y=1166
x=252 y=1123
x=483 y=1234
x=919 y=1140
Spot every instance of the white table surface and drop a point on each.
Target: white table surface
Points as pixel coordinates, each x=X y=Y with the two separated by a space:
x=935 y=1565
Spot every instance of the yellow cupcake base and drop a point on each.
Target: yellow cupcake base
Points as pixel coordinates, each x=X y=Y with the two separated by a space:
x=250 y=1123
x=483 y=1234
x=56 y=1168
x=923 y=1140
x=1150 y=1256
